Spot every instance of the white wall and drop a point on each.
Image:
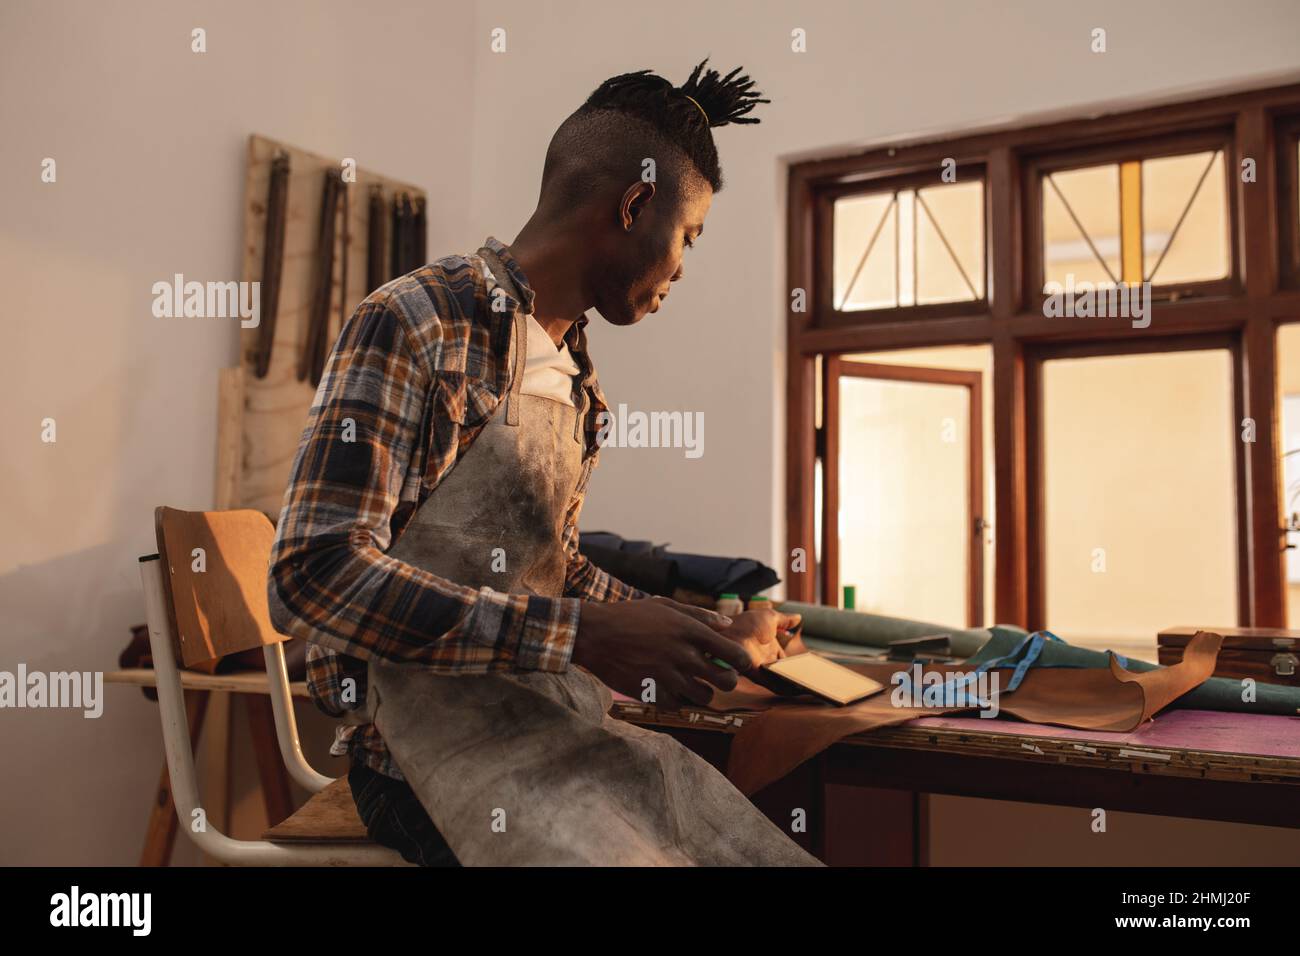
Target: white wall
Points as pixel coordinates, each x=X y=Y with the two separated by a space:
x=150 y=143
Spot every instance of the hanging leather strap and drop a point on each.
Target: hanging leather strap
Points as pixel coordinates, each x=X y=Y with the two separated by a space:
x=312 y=359
x=346 y=229
x=272 y=261
x=419 y=251
x=397 y=245
x=375 y=276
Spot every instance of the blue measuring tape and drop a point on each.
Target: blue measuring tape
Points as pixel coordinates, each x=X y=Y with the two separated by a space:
x=1022 y=658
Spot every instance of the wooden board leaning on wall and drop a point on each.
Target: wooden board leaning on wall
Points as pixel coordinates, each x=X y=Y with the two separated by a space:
x=261 y=419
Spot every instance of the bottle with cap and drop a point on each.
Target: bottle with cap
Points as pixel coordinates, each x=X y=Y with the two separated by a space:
x=729 y=604
x=759 y=601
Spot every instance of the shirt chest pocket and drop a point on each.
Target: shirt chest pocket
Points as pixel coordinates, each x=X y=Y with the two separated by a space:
x=461 y=400
x=458 y=408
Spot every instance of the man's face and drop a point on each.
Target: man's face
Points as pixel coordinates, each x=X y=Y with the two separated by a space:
x=646 y=257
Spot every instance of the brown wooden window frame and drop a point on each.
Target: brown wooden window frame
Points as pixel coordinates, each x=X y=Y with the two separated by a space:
x=1241 y=313
x=1288 y=166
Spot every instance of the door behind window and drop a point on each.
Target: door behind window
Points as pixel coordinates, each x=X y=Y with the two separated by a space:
x=903 y=481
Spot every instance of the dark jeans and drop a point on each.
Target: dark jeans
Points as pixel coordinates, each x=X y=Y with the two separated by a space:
x=394 y=818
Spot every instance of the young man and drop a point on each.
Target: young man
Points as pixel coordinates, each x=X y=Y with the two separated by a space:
x=427 y=548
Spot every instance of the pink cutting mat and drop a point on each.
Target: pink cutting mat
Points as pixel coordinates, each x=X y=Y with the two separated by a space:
x=1259 y=735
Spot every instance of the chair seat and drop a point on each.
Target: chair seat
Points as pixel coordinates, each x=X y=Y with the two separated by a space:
x=330 y=816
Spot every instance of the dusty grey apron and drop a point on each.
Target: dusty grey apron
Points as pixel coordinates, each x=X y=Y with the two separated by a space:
x=528 y=767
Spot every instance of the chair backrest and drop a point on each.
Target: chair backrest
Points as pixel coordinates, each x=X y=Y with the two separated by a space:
x=215 y=567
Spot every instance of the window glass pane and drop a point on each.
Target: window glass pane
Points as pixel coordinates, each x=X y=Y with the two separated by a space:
x=864 y=252
x=1288 y=375
x=1140 y=506
x=1184 y=193
x=950 y=243
x=910 y=247
x=1081 y=226
x=1160 y=220
x=901 y=516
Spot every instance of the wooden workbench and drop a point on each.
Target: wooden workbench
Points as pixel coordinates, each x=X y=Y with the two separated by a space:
x=1205 y=765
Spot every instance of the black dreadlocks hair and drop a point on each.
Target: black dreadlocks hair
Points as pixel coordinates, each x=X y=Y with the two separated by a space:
x=683 y=115
x=634 y=115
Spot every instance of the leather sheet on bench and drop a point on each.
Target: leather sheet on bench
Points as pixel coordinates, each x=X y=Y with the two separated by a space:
x=789 y=731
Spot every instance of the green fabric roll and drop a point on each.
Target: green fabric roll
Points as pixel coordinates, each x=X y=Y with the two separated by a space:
x=876 y=630
x=838 y=629
x=1217 y=693
x=838 y=650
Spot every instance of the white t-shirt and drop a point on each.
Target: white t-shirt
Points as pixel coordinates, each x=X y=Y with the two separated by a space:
x=548 y=371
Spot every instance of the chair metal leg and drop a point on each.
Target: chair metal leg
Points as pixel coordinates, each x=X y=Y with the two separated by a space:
x=286 y=725
x=160 y=833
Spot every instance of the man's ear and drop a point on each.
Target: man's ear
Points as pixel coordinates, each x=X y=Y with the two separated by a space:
x=633 y=203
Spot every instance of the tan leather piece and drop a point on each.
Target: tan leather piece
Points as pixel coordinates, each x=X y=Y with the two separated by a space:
x=791 y=731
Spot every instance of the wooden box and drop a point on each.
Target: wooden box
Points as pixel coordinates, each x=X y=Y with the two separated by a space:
x=1268 y=655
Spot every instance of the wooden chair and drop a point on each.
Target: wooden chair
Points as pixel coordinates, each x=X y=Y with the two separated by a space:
x=205 y=595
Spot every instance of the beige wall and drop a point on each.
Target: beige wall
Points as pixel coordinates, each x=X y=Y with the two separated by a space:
x=149 y=141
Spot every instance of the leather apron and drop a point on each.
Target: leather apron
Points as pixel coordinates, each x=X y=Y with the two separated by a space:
x=527 y=767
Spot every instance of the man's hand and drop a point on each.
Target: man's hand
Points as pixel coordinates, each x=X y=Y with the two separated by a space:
x=719 y=622
x=763 y=634
x=626 y=642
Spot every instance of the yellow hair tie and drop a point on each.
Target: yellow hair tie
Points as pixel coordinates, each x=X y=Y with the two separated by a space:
x=698 y=107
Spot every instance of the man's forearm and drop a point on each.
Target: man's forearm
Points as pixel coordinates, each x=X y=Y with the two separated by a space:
x=362 y=603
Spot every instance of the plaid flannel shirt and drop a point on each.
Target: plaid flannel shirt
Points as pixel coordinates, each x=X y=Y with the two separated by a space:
x=415 y=375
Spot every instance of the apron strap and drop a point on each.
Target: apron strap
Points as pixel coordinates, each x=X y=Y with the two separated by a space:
x=517 y=377
x=520 y=339
x=502 y=275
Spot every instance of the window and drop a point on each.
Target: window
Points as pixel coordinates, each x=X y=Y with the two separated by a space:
x=920 y=245
x=1162 y=220
x=911 y=503
x=1199 y=199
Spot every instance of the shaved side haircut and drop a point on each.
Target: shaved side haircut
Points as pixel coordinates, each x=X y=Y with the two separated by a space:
x=637 y=116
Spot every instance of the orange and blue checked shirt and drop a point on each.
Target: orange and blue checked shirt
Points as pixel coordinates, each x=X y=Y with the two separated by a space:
x=415 y=375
